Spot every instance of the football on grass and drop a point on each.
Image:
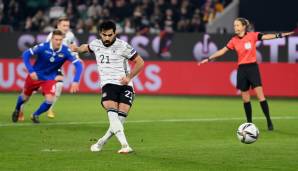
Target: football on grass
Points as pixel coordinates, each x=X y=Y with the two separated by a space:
x=248 y=133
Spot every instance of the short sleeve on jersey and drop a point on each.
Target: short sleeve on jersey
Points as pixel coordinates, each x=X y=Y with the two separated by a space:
x=230 y=45
x=70 y=56
x=129 y=52
x=92 y=45
x=255 y=35
x=36 y=49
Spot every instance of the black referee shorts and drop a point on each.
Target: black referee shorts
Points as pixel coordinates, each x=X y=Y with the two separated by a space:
x=118 y=93
x=248 y=75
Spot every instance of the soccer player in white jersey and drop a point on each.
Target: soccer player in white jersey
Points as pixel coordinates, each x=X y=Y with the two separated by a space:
x=63 y=25
x=112 y=56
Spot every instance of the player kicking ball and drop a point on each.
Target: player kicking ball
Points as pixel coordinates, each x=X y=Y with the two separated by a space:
x=112 y=56
x=50 y=57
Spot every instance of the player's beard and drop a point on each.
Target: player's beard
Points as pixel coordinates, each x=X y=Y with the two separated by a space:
x=108 y=43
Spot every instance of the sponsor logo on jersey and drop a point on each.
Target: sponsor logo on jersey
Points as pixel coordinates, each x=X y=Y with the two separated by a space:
x=247 y=45
x=52 y=59
x=60 y=55
x=48 y=52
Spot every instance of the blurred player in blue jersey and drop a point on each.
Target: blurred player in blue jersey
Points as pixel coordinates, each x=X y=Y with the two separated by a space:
x=50 y=57
x=69 y=39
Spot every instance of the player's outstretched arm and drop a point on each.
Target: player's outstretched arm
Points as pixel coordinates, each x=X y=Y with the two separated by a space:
x=79 y=68
x=215 y=55
x=276 y=35
x=81 y=49
x=26 y=58
x=139 y=64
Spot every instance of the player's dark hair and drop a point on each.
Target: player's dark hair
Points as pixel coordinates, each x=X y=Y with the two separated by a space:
x=58 y=32
x=246 y=23
x=63 y=19
x=107 y=25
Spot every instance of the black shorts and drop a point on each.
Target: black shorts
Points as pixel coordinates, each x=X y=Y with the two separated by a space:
x=118 y=93
x=248 y=75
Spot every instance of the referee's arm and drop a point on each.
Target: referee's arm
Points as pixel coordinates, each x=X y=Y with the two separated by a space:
x=262 y=36
x=217 y=54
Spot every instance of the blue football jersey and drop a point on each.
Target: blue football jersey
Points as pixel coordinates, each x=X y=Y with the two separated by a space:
x=48 y=61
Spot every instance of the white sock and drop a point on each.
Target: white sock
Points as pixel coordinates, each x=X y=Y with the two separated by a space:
x=117 y=127
x=109 y=134
x=104 y=139
x=122 y=117
x=59 y=88
x=122 y=139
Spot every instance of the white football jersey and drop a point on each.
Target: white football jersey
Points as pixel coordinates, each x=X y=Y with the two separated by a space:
x=68 y=39
x=112 y=61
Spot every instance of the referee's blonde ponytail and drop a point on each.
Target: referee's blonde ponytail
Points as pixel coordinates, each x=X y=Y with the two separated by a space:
x=246 y=23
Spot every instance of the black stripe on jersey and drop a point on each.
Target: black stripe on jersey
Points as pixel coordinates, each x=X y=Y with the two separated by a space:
x=133 y=57
x=260 y=35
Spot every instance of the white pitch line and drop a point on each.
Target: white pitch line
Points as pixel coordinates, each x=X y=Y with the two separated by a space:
x=50 y=150
x=147 y=121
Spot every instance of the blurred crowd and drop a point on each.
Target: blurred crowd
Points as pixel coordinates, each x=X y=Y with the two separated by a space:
x=131 y=16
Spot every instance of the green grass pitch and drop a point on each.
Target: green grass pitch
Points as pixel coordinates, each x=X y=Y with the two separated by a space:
x=166 y=132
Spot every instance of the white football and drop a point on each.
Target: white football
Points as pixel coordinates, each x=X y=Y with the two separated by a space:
x=248 y=133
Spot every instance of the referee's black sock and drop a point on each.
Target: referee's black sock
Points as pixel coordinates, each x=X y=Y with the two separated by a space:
x=248 y=111
x=265 y=109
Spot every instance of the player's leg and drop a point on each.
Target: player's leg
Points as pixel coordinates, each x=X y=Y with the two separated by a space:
x=255 y=79
x=114 y=127
x=122 y=114
x=115 y=123
x=243 y=85
x=247 y=105
x=21 y=115
x=59 y=88
x=22 y=98
x=44 y=106
x=109 y=102
x=125 y=103
x=102 y=141
x=264 y=106
x=29 y=86
x=48 y=89
x=109 y=133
